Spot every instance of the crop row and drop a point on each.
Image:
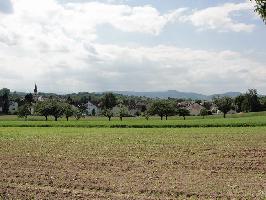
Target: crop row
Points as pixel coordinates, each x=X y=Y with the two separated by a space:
x=233 y=122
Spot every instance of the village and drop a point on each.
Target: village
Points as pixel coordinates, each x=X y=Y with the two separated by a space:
x=135 y=106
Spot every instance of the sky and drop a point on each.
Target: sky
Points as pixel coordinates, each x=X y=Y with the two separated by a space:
x=70 y=46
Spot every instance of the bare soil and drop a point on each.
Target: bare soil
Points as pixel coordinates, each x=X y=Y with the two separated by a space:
x=216 y=169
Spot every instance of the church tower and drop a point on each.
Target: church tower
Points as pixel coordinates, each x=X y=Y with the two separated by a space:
x=35 y=90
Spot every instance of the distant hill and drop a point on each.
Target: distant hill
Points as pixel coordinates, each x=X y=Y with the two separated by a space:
x=159 y=94
x=176 y=94
x=18 y=93
x=227 y=94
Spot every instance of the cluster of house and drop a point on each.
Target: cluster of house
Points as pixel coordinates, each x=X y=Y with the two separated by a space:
x=93 y=109
x=193 y=107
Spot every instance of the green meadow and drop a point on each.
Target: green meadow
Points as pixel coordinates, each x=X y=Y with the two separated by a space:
x=237 y=120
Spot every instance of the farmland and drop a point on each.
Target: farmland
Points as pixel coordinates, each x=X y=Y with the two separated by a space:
x=132 y=100
x=132 y=163
x=244 y=120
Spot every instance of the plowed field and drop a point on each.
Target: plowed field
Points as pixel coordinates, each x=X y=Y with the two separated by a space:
x=91 y=163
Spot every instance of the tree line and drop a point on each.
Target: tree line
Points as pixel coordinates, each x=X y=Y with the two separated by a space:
x=75 y=105
x=51 y=107
x=248 y=102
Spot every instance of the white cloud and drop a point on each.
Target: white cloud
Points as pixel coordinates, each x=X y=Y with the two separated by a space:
x=50 y=26
x=99 y=67
x=83 y=18
x=56 y=46
x=221 y=18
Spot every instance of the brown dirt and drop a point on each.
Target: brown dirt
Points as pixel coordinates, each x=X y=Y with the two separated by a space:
x=184 y=173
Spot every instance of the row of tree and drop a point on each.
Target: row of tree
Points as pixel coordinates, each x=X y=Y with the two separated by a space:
x=162 y=108
x=248 y=102
x=56 y=107
x=50 y=107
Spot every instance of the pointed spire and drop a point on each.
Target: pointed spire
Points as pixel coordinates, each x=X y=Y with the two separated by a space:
x=35 y=89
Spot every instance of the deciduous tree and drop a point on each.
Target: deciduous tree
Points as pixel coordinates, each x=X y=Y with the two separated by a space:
x=122 y=112
x=5 y=98
x=253 y=100
x=68 y=110
x=77 y=113
x=108 y=113
x=57 y=109
x=203 y=112
x=260 y=8
x=29 y=98
x=108 y=101
x=224 y=104
x=146 y=114
x=44 y=108
x=239 y=103
x=162 y=108
x=24 y=111
x=182 y=112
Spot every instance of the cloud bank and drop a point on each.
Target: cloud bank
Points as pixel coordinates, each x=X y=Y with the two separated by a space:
x=56 y=45
x=221 y=18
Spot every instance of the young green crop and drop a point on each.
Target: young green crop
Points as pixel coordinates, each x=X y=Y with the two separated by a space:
x=174 y=122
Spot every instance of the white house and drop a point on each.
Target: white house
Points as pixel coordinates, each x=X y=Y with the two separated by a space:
x=40 y=98
x=13 y=107
x=91 y=108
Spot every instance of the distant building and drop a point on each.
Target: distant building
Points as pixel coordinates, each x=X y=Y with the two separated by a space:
x=35 y=93
x=184 y=104
x=91 y=108
x=195 y=109
x=40 y=98
x=215 y=110
x=35 y=90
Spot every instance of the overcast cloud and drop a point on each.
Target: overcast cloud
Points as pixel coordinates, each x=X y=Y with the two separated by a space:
x=59 y=45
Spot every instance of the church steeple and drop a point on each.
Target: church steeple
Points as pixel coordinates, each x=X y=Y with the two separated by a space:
x=35 y=89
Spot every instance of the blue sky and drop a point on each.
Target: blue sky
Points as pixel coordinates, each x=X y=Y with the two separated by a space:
x=81 y=45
